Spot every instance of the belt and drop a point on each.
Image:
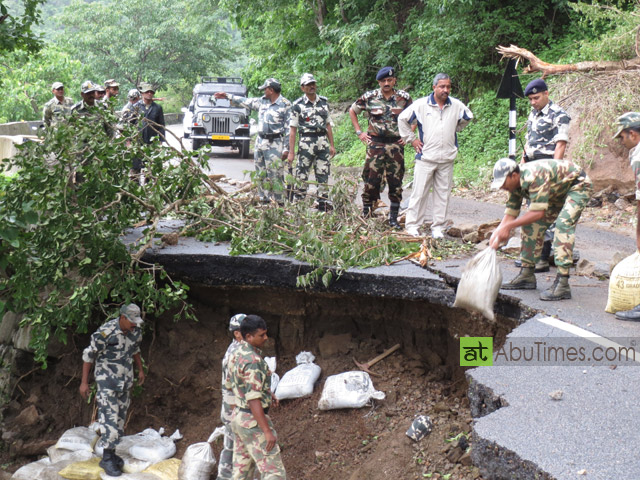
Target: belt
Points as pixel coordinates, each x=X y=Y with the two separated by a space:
x=375 y=138
x=313 y=134
x=248 y=410
x=270 y=136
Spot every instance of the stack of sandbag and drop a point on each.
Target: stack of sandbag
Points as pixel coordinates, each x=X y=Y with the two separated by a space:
x=480 y=283
x=198 y=462
x=298 y=382
x=348 y=390
x=624 y=285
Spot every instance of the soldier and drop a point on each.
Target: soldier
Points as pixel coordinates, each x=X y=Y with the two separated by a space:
x=558 y=190
x=131 y=111
x=225 y=466
x=629 y=135
x=439 y=117
x=385 y=147
x=113 y=348
x=272 y=144
x=310 y=115
x=152 y=115
x=547 y=137
x=59 y=107
x=87 y=107
x=100 y=94
x=255 y=438
x=113 y=90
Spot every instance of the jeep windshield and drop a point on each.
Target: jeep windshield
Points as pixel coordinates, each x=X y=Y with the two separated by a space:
x=207 y=100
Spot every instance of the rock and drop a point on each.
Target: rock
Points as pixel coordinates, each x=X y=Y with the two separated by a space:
x=482 y=245
x=465 y=459
x=332 y=345
x=34 y=448
x=585 y=267
x=621 y=203
x=472 y=237
x=582 y=472
x=28 y=417
x=455 y=455
x=556 y=395
x=460 y=231
x=9 y=324
x=602 y=270
x=513 y=246
x=441 y=407
x=486 y=229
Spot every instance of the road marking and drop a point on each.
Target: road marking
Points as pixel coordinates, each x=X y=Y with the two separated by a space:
x=593 y=337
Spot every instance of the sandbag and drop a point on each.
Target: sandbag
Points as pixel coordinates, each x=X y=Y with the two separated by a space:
x=480 y=283
x=198 y=462
x=86 y=470
x=60 y=454
x=165 y=470
x=624 y=285
x=151 y=446
x=31 y=471
x=130 y=476
x=78 y=438
x=298 y=382
x=348 y=390
x=275 y=380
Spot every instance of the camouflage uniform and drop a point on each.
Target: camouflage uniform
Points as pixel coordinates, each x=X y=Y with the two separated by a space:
x=250 y=379
x=94 y=114
x=311 y=119
x=385 y=156
x=54 y=112
x=544 y=129
x=112 y=352
x=272 y=141
x=562 y=190
x=225 y=466
x=634 y=160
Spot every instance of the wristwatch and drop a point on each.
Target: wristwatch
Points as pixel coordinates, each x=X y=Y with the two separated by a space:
x=358 y=132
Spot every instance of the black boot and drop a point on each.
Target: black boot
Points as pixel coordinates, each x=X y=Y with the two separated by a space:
x=543 y=264
x=366 y=210
x=109 y=463
x=393 y=216
x=119 y=460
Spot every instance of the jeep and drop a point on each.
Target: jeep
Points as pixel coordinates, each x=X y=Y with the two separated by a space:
x=216 y=122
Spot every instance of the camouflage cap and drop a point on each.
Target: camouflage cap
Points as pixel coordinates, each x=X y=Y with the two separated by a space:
x=57 y=85
x=100 y=88
x=88 y=86
x=132 y=312
x=420 y=428
x=236 y=322
x=134 y=93
x=501 y=169
x=307 y=78
x=269 y=83
x=146 y=87
x=111 y=83
x=628 y=120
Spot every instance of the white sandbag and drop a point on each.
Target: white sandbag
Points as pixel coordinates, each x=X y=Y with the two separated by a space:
x=275 y=380
x=31 y=471
x=133 y=465
x=60 y=454
x=348 y=390
x=130 y=476
x=624 y=285
x=298 y=382
x=78 y=438
x=271 y=363
x=153 y=449
x=198 y=462
x=480 y=283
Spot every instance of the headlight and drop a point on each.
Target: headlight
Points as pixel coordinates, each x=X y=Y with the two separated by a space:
x=205 y=117
x=236 y=119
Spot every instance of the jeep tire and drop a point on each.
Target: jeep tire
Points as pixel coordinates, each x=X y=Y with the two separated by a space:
x=245 y=147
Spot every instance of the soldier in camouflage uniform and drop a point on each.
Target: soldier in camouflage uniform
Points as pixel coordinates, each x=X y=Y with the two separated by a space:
x=547 y=138
x=58 y=108
x=629 y=135
x=558 y=191
x=385 y=148
x=310 y=116
x=250 y=379
x=225 y=465
x=113 y=349
x=272 y=144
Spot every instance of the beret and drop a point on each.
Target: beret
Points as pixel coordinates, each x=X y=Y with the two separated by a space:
x=535 y=86
x=385 y=72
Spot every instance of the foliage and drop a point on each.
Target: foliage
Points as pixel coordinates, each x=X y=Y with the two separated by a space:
x=61 y=253
x=16 y=22
x=134 y=41
x=26 y=83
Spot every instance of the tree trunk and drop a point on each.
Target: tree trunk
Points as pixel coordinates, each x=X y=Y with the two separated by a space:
x=537 y=65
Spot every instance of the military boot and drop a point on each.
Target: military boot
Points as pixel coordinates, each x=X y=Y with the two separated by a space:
x=393 y=216
x=543 y=264
x=366 y=210
x=526 y=280
x=560 y=289
x=119 y=460
x=109 y=463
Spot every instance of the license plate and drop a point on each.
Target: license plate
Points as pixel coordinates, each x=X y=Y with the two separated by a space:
x=220 y=137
